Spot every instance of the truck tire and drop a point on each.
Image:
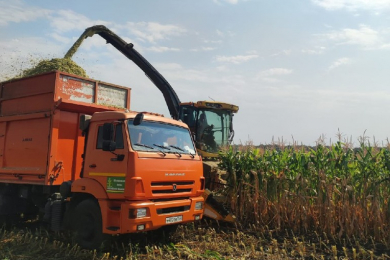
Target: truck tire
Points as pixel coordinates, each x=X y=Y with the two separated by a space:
x=87 y=224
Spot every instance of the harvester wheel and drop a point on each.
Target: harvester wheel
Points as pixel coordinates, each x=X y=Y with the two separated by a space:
x=87 y=224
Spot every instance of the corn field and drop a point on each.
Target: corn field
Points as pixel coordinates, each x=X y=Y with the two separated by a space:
x=333 y=190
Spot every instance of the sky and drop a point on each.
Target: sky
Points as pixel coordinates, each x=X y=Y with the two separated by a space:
x=299 y=70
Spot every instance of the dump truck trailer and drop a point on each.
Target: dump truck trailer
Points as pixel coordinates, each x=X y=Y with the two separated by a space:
x=70 y=149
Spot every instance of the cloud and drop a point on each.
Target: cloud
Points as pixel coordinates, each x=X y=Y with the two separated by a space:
x=66 y=20
x=271 y=75
x=152 y=32
x=207 y=48
x=233 y=2
x=283 y=52
x=353 y=5
x=222 y=68
x=275 y=72
x=19 y=54
x=225 y=34
x=161 y=49
x=14 y=11
x=236 y=59
x=364 y=37
x=60 y=38
x=315 y=51
x=211 y=41
x=219 y=33
x=339 y=62
x=203 y=49
x=174 y=71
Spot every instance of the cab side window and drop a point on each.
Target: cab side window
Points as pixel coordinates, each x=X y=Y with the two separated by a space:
x=118 y=138
x=188 y=115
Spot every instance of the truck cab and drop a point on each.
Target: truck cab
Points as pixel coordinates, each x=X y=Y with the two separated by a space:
x=143 y=169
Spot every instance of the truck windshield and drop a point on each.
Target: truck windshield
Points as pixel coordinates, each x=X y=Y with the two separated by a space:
x=154 y=136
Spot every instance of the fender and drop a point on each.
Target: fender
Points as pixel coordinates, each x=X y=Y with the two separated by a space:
x=90 y=186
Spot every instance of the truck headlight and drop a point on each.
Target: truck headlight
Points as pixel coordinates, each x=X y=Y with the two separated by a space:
x=138 y=213
x=199 y=205
x=141 y=213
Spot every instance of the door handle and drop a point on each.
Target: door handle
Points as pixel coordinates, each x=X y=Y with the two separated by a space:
x=92 y=166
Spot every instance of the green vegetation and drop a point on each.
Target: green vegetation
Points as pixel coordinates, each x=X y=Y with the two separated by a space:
x=334 y=190
x=64 y=65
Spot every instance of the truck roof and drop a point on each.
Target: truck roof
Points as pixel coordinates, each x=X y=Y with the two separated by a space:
x=122 y=115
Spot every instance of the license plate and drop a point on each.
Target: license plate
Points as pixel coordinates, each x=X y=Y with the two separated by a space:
x=173 y=219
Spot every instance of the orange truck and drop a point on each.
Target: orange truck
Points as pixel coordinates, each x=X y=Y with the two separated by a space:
x=70 y=149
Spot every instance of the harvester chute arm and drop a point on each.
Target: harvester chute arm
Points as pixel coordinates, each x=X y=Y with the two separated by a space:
x=170 y=96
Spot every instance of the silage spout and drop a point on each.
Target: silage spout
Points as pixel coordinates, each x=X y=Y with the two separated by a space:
x=89 y=32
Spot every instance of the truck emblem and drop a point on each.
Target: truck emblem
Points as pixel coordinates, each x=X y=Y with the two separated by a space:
x=174 y=187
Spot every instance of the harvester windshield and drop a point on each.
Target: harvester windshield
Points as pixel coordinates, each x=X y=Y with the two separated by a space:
x=154 y=136
x=214 y=129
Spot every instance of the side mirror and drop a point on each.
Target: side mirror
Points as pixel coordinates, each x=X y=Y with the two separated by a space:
x=138 y=119
x=109 y=146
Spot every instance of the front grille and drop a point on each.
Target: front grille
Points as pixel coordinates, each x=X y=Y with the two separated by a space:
x=172 y=187
x=170 y=183
x=170 y=191
x=169 y=199
x=173 y=210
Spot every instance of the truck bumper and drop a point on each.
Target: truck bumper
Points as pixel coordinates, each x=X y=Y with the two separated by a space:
x=119 y=217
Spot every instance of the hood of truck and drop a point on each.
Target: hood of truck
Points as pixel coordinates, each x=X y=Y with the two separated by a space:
x=163 y=177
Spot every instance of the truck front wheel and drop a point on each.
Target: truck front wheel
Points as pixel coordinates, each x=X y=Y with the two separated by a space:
x=87 y=224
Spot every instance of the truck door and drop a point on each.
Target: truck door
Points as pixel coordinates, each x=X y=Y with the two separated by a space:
x=109 y=168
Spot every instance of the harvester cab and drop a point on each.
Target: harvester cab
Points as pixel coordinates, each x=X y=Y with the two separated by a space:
x=210 y=122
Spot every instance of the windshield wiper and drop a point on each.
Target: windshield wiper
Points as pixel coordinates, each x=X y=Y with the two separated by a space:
x=177 y=153
x=161 y=146
x=144 y=145
x=150 y=147
x=167 y=148
x=181 y=149
x=161 y=151
x=176 y=147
